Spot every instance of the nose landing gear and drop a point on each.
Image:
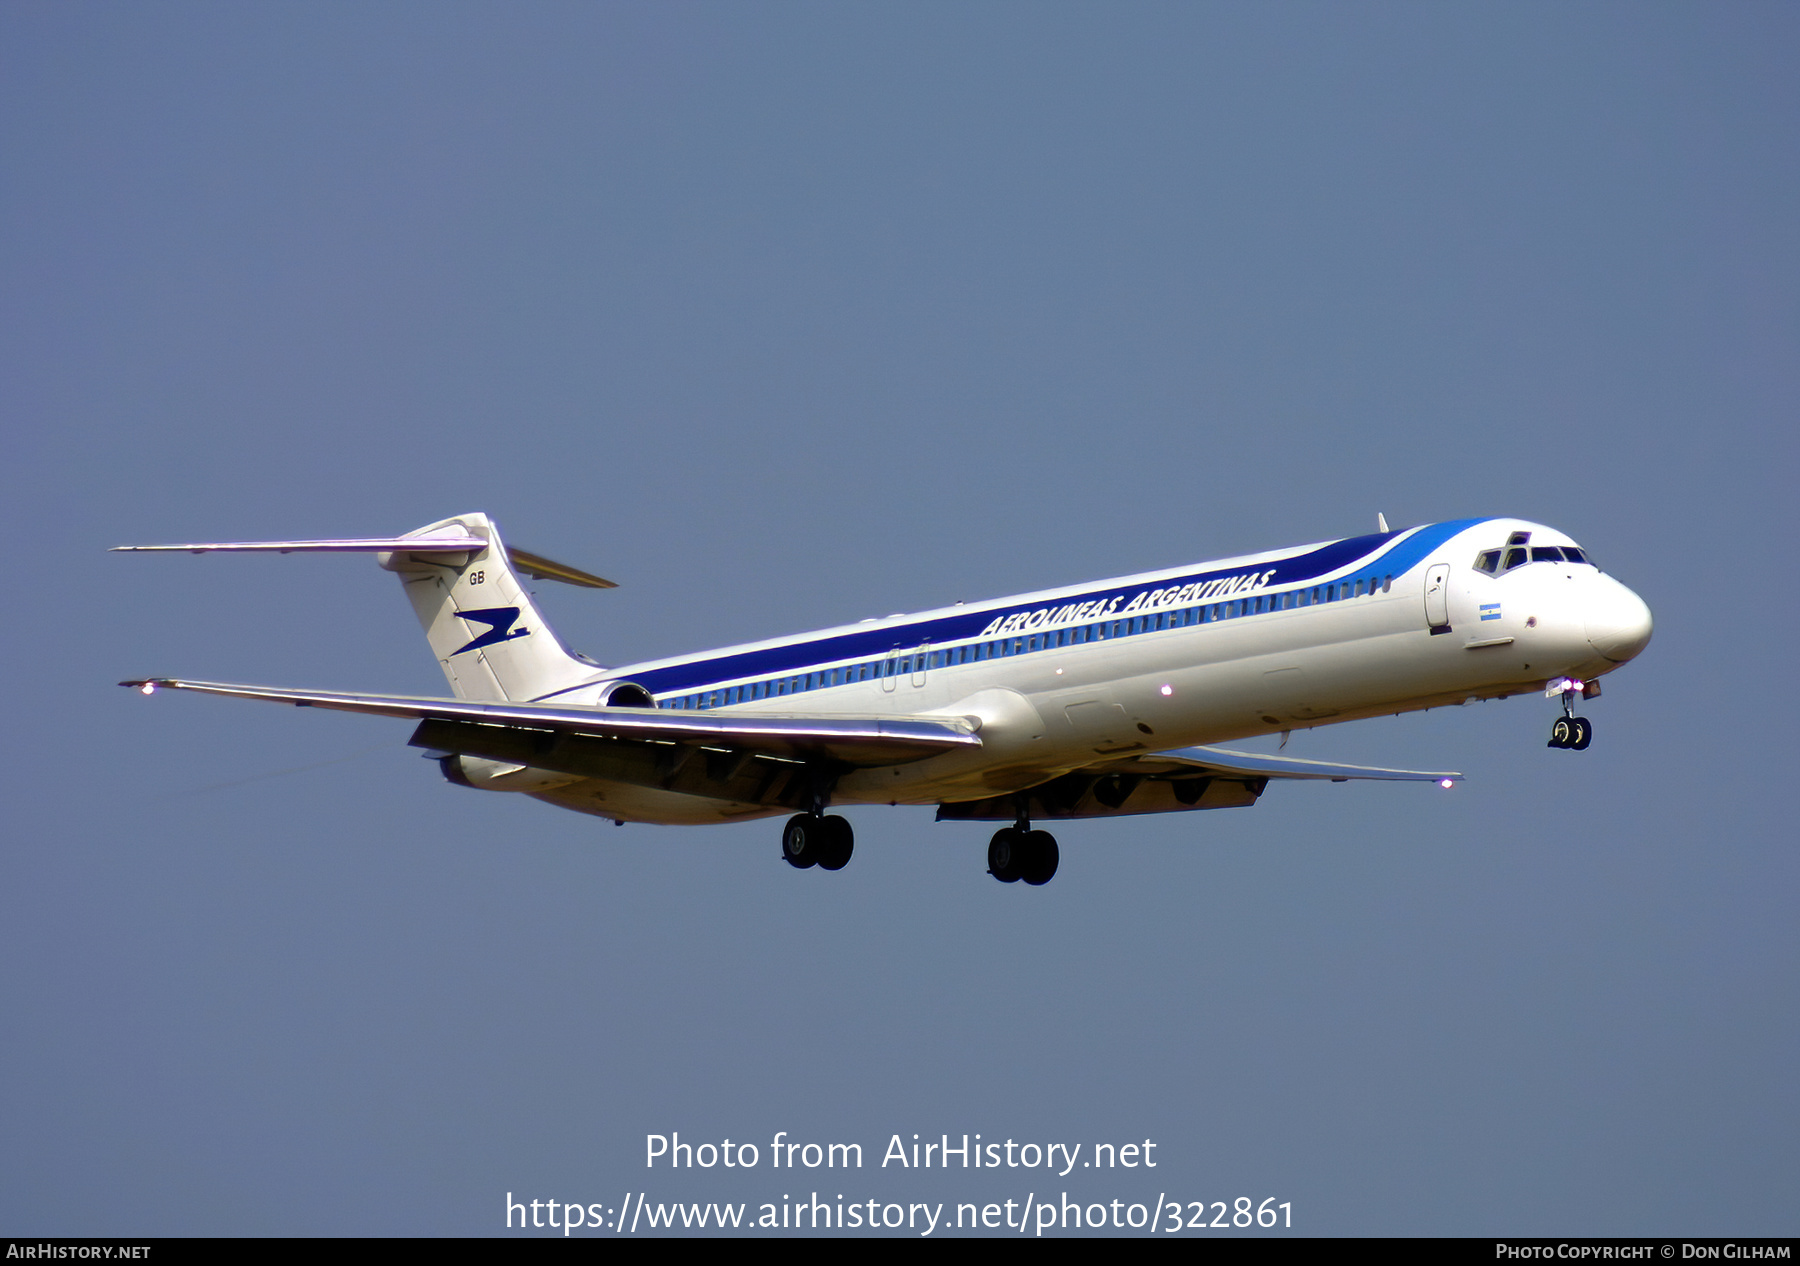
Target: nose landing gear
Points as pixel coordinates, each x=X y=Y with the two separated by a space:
x=1570 y=731
x=1018 y=852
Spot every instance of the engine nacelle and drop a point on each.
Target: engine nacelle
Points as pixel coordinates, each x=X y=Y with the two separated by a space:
x=625 y=694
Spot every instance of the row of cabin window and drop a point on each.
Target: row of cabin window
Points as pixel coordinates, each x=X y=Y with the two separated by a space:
x=919 y=661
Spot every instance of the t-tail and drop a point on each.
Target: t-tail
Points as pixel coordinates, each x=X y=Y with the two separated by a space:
x=464 y=585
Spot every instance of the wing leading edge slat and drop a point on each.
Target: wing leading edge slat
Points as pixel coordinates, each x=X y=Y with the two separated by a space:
x=1219 y=760
x=851 y=740
x=1170 y=782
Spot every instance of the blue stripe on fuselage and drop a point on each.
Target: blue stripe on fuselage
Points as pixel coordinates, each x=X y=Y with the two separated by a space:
x=1396 y=552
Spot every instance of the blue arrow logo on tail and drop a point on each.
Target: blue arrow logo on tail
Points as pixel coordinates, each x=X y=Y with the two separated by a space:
x=500 y=627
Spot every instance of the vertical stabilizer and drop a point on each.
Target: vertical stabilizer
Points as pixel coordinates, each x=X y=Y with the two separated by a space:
x=484 y=628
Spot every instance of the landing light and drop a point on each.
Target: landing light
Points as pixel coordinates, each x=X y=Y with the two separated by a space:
x=149 y=687
x=1168 y=690
x=1446 y=783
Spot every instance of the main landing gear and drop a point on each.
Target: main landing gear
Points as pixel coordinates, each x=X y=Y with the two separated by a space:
x=1018 y=852
x=1571 y=731
x=812 y=839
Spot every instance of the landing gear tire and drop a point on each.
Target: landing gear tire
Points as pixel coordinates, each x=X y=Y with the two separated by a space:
x=1572 y=733
x=1006 y=853
x=838 y=843
x=1029 y=855
x=1041 y=857
x=802 y=841
x=814 y=841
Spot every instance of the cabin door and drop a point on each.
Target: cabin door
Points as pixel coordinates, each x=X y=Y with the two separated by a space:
x=1437 y=598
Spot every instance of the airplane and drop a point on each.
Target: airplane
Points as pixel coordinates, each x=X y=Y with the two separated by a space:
x=1093 y=700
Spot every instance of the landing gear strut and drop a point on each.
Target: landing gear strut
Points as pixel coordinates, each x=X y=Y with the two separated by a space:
x=1571 y=731
x=1018 y=852
x=811 y=839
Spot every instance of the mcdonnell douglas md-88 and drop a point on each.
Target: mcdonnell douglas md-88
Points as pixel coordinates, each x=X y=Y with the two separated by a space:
x=1090 y=701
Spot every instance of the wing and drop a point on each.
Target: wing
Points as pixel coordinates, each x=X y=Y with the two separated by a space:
x=755 y=758
x=1172 y=782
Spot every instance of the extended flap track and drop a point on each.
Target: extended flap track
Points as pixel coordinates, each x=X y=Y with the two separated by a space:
x=1087 y=795
x=724 y=773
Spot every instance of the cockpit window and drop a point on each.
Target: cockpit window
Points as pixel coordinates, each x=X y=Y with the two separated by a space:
x=1518 y=553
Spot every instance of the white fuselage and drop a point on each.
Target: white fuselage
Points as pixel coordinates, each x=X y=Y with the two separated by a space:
x=1063 y=678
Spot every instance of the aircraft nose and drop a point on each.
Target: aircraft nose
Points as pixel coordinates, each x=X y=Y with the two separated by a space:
x=1618 y=621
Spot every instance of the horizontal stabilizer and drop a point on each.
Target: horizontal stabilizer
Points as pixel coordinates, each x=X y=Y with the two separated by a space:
x=541 y=568
x=849 y=740
x=534 y=565
x=442 y=544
